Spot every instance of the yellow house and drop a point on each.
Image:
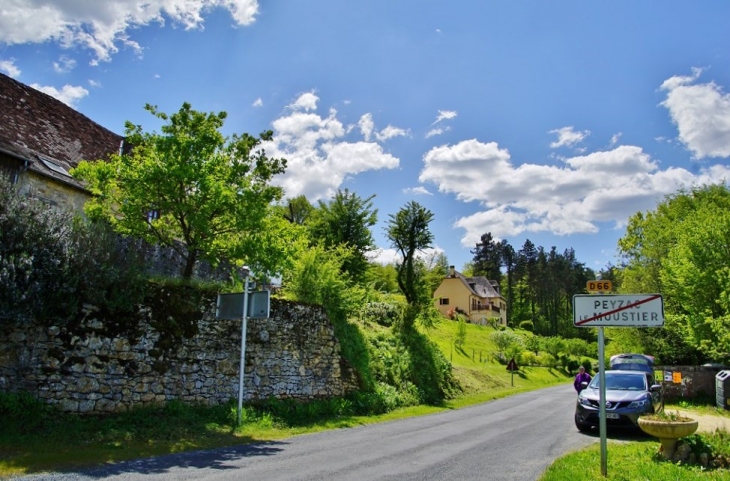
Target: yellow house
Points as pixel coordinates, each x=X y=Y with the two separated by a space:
x=476 y=297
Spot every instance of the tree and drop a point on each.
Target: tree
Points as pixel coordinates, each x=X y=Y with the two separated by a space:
x=346 y=221
x=298 y=210
x=487 y=259
x=409 y=233
x=188 y=187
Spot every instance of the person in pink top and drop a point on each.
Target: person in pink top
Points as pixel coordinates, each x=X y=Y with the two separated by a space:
x=580 y=378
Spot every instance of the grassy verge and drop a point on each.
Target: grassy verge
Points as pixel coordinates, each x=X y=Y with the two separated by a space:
x=641 y=460
x=34 y=438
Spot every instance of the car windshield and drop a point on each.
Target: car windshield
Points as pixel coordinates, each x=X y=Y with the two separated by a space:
x=621 y=382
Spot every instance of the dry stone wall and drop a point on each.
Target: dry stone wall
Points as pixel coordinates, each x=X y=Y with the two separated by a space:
x=294 y=354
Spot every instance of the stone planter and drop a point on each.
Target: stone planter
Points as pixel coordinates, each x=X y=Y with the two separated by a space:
x=668 y=432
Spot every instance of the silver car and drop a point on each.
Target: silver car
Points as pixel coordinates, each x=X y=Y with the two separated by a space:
x=629 y=394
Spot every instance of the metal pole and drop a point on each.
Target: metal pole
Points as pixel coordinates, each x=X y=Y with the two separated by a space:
x=602 y=402
x=243 y=345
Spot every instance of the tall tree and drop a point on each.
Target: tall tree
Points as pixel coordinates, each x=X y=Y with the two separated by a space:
x=346 y=221
x=188 y=187
x=487 y=258
x=408 y=231
x=298 y=210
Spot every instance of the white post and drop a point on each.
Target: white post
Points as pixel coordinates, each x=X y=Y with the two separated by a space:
x=602 y=401
x=243 y=344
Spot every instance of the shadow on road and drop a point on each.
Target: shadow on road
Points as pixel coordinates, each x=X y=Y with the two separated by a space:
x=219 y=459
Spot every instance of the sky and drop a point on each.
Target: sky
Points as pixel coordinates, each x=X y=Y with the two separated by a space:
x=549 y=121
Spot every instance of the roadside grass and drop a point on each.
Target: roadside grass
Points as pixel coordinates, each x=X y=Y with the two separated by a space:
x=633 y=461
x=35 y=438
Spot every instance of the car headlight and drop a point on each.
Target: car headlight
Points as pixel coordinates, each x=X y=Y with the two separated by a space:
x=639 y=404
x=584 y=401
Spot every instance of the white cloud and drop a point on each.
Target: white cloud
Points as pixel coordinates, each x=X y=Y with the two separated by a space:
x=392 y=256
x=568 y=137
x=389 y=132
x=258 y=103
x=102 y=26
x=615 y=138
x=420 y=190
x=94 y=83
x=437 y=131
x=701 y=113
x=65 y=64
x=9 y=67
x=606 y=186
x=366 y=125
x=69 y=94
x=319 y=156
x=444 y=115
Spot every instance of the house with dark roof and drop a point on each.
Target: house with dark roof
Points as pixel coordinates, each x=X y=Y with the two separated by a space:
x=477 y=297
x=41 y=139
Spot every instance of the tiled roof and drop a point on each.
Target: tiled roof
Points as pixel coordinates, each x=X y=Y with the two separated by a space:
x=479 y=285
x=35 y=125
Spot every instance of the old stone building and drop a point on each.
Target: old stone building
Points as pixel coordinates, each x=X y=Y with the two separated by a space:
x=41 y=139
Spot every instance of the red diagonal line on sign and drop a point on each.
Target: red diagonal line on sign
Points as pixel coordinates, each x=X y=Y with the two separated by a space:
x=623 y=308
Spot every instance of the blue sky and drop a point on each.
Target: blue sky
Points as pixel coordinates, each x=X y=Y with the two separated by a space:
x=549 y=121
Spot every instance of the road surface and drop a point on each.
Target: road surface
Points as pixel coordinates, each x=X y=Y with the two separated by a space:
x=514 y=438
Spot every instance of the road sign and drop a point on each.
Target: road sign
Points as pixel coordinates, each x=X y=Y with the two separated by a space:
x=512 y=365
x=230 y=306
x=599 y=286
x=632 y=310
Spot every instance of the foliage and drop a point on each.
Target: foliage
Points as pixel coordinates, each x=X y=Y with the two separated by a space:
x=383 y=313
x=408 y=231
x=680 y=250
x=382 y=278
x=298 y=210
x=554 y=345
x=50 y=264
x=507 y=342
x=189 y=187
x=346 y=221
x=527 y=325
x=460 y=336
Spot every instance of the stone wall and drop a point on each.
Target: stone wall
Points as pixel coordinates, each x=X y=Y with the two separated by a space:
x=294 y=354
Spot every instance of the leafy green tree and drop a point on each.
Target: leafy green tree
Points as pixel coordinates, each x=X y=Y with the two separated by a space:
x=298 y=210
x=409 y=233
x=346 y=221
x=507 y=342
x=383 y=278
x=460 y=336
x=188 y=187
x=437 y=268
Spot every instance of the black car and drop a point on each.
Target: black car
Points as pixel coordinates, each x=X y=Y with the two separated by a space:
x=629 y=394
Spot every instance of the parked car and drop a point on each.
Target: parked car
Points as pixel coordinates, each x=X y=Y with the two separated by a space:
x=629 y=394
x=632 y=362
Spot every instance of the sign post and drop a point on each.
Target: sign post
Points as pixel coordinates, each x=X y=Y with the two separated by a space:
x=512 y=367
x=599 y=310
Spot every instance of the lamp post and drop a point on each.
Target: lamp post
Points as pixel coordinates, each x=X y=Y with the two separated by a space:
x=245 y=271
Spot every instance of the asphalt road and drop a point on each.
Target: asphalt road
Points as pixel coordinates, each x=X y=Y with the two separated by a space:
x=515 y=438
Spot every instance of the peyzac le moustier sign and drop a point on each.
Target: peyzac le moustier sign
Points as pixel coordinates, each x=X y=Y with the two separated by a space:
x=616 y=310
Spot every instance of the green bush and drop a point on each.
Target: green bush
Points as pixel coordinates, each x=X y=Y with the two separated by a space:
x=383 y=313
x=527 y=325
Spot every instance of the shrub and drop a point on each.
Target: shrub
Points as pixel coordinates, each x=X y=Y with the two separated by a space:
x=383 y=313
x=527 y=325
x=529 y=358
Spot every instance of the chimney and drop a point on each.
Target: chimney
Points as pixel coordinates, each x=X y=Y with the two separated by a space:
x=452 y=271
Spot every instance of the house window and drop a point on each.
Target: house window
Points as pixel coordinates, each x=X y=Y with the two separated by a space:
x=153 y=215
x=54 y=166
x=444 y=301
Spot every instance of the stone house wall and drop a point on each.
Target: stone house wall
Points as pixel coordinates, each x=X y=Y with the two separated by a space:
x=294 y=354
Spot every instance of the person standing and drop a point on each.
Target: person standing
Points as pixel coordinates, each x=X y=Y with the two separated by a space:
x=580 y=378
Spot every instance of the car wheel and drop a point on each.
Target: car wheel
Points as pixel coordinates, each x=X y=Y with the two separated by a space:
x=582 y=427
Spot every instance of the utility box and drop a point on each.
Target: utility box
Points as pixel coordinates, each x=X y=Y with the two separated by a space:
x=722 y=389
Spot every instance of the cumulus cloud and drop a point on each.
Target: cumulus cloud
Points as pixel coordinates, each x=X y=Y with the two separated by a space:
x=69 y=94
x=392 y=256
x=104 y=26
x=701 y=113
x=9 y=67
x=367 y=128
x=568 y=137
x=606 y=186
x=319 y=154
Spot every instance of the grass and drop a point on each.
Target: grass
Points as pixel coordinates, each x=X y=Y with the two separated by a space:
x=641 y=461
